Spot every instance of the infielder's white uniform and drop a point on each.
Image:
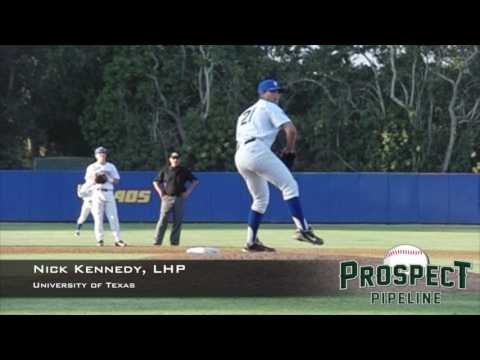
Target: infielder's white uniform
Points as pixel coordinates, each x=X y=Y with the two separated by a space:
x=85 y=192
x=104 y=199
x=255 y=160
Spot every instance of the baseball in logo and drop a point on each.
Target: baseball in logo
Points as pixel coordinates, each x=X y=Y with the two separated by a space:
x=406 y=255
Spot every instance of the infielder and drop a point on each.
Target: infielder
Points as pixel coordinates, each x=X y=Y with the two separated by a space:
x=84 y=192
x=102 y=175
x=256 y=131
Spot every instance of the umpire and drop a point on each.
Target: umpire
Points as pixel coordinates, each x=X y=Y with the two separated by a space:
x=170 y=185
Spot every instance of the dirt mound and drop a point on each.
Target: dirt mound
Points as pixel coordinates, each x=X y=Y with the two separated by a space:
x=167 y=252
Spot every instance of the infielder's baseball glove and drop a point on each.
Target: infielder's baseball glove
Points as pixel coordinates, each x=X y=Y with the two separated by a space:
x=288 y=159
x=100 y=178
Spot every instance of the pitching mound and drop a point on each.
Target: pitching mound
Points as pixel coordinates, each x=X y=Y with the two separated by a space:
x=226 y=253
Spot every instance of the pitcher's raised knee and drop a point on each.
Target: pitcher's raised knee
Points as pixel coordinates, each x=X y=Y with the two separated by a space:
x=290 y=190
x=260 y=205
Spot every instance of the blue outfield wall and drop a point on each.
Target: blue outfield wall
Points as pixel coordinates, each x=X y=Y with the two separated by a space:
x=383 y=198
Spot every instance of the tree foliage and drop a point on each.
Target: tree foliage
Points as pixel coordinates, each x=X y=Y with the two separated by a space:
x=358 y=107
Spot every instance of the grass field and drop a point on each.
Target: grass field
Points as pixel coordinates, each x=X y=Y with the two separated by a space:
x=443 y=243
x=461 y=304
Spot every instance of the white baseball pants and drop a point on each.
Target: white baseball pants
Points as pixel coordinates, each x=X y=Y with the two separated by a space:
x=259 y=166
x=104 y=202
x=85 y=211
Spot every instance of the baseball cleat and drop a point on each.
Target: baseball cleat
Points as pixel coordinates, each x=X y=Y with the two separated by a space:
x=100 y=243
x=257 y=247
x=120 y=243
x=77 y=233
x=308 y=236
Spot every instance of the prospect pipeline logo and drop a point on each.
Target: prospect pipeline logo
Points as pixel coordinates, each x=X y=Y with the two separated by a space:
x=404 y=266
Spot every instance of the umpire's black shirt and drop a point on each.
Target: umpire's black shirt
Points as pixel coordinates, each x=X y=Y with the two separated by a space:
x=175 y=179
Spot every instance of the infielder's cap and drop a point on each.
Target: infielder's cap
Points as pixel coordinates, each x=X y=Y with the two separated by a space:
x=174 y=155
x=101 y=150
x=269 y=85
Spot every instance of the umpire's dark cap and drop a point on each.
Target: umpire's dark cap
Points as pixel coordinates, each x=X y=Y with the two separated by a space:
x=101 y=150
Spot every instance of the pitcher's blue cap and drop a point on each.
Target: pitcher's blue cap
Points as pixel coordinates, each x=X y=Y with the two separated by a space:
x=101 y=150
x=269 y=85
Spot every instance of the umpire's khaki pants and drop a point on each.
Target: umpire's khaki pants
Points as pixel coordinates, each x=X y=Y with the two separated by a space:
x=170 y=204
